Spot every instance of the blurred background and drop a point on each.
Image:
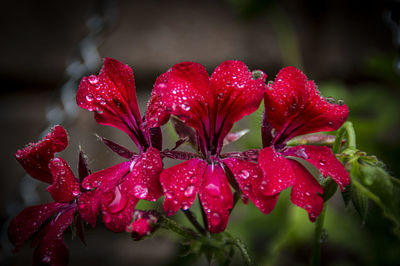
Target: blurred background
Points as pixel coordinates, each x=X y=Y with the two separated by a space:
x=350 y=48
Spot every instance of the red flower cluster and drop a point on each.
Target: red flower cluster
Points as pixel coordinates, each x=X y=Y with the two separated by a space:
x=207 y=108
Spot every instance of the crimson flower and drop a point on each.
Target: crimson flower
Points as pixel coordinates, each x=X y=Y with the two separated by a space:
x=50 y=220
x=210 y=105
x=116 y=190
x=293 y=107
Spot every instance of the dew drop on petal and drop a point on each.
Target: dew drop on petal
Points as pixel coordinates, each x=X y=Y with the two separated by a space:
x=93 y=79
x=140 y=191
x=189 y=191
x=213 y=189
x=244 y=174
x=89 y=98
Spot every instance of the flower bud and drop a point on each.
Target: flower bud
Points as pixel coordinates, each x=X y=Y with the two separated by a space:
x=143 y=223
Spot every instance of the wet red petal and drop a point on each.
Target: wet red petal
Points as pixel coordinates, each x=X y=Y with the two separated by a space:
x=182 y=91
x=106 y=176
x=323 y=158
x=216 y=197
x=118 y=207
x=29 y=221
x=89 y=206
x=277 y=172
x=112 y=95
x=249 y=177
x=52 y=249
x=293 y=106
x=35 y=157
x=236 y=94
x=181 y=183
x=65 y=187
x=143 y=180
x=306 y=191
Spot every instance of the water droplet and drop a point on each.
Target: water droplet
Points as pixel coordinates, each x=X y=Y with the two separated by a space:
x=185 y=206
x=215 y=218
x=244 y=174
x=140 y=191
x=213 y=189
x=75 y=193
x=189 y=191
x=93 y=79
x=322 y=162
x=89 y=98
x=46 y=259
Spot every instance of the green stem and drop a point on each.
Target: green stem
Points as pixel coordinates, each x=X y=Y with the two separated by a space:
x=316 y=256
x=243 y=250
x=194 y=222
x=170 y=224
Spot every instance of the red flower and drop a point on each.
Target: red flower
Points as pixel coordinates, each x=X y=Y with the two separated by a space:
x=210 y=105
x=51 y=219
x=116 y=190
x=293 y=107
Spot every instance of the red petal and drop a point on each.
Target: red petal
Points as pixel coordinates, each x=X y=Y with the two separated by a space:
x=89 y=206
x=181 y=183
x=104 y=177
x=306 y=191
x=323 y=158
x=237 y=94
x=216 y=198
x=182 y=91
x=65 y=187
x=29 y=221
x=249 y=178
x=118 y=207
x=277 y=172
x=294 y=106
x=35 y=157
x=112 y=94
x=143 y=180
x=52 y=249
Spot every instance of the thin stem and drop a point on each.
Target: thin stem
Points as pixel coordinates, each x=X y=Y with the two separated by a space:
x=243 y=250
x=194 y=222
x=170 y=224
x=348 y=129
x=230 y=256
x=316 y=256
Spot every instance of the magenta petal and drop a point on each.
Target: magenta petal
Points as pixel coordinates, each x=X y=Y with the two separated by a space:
x=294 y=106
x=106 y=176
x=118 y=207
x=181 y=183
x=143 y=180
x=306 y=192
x=29 y=221
x=35 y=157
x=277 y=172
x=216 y=197
x=89 y=206
x=323 y=158
x=237 y=93
x=121 y=76
x=65 y=187
x=52 y=249
x=249 y=176
x=112 y=95
x=182 y=91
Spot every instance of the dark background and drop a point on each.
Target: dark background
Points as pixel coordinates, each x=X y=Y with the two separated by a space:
x=350 y=48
